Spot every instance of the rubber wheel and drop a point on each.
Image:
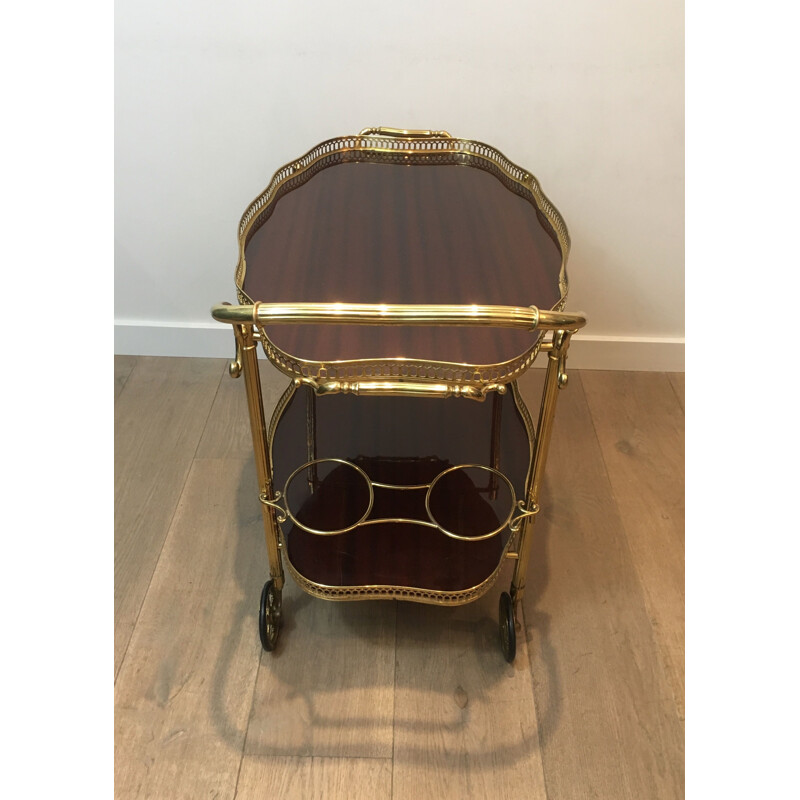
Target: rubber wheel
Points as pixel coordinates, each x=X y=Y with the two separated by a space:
x=508 y=633
x=269 y=616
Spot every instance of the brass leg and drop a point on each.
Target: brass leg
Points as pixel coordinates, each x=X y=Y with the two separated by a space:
x=494 y=449
x=311 y=438
x=555 y=379
x=255 y=405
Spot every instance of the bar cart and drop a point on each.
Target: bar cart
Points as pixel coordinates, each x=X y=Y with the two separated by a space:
x=403 y=281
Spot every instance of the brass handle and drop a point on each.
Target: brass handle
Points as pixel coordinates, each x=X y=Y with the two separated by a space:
x=402 y=387
x=404 y=134
x=528 y=318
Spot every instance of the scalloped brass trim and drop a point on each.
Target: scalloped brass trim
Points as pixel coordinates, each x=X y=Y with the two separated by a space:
x=456 y=597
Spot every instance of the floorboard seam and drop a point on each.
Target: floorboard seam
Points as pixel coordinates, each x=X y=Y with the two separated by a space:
x=677 y=396
x=394 y=699
x=535 y=704
x=247 y=728
x=155 y=567
x=127 y=378
x=208 y=415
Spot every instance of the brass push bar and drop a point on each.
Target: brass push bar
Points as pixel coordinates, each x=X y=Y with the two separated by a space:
x=404 y=387
x=527 y=318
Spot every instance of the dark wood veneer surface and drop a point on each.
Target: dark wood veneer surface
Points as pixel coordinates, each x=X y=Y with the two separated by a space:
x=387 y=233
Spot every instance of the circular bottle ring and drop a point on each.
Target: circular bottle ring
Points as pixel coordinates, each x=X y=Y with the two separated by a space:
x=482 y=536
x=324 y=461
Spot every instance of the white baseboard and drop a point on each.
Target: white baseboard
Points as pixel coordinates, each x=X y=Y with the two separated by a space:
x=634 y=353
x=216 y=341
x=192 y=339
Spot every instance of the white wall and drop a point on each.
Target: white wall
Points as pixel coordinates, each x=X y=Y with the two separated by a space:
x=212 y=98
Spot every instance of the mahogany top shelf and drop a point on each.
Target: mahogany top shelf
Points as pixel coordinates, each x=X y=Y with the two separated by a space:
x=371 y=220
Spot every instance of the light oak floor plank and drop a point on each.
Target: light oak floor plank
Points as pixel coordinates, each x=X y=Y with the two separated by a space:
x=185 y=689
x=678 y=381
x=639 y=424
x=123 y=365
x=227 y=433
x=465 y=720
x=313 y=778
x=606 y=714
x=159 y=419
x=327 y=689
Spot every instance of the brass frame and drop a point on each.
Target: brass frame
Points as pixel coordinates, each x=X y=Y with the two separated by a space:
x=399 y=376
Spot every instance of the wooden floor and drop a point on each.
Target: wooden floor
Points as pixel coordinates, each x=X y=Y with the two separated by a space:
x=384 y=699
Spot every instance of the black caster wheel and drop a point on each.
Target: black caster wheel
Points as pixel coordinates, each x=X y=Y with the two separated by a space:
x=508 y=633
x=269 y=616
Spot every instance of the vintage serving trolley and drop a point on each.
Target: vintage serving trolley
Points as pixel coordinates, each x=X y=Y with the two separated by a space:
x=396 y=277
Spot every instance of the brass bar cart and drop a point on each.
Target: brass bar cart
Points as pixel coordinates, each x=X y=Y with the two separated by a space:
x=403 y=281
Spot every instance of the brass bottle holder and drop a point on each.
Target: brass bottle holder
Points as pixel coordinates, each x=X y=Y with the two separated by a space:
x=281 y=505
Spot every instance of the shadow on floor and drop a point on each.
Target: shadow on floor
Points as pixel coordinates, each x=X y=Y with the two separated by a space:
x=441 y=666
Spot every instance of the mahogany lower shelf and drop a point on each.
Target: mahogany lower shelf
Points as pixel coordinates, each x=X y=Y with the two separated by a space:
x=378 y=435
x=393 y=554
